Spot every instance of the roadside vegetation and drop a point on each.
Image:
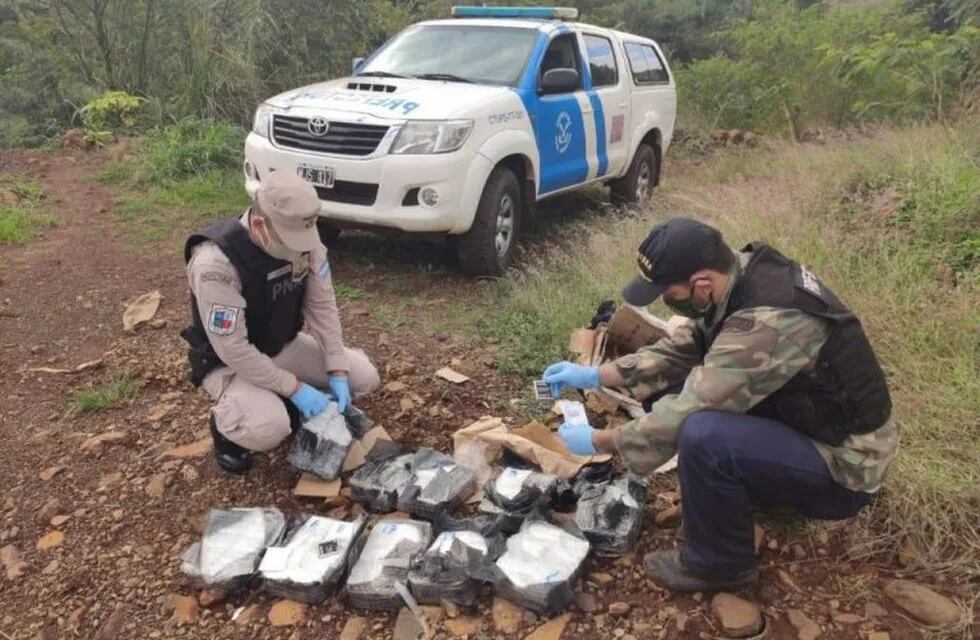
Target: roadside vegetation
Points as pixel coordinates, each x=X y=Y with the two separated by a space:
x=22 y=209
x=891 y=221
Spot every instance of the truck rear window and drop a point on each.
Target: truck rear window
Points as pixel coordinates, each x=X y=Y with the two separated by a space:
x=645 y=64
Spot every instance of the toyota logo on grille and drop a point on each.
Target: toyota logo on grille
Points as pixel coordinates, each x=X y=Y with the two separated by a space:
x=318 y=126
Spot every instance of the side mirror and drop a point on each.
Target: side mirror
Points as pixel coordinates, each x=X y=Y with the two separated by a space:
x=559 y=81
x=355 y=64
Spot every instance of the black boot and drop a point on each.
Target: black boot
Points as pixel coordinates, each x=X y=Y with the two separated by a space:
x=667 y=569
x=231 y=457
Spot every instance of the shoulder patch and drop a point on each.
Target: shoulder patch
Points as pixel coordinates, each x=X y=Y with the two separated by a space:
x=222 y=320
x=810 y=282
x=324 y=271
x=739 y=324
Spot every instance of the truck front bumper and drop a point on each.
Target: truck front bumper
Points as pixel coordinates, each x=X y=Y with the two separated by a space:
x=384 y=191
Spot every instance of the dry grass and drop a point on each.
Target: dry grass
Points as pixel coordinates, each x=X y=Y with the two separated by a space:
x=855 y=212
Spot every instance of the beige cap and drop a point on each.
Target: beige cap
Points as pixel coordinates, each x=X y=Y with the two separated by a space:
x=291 y=204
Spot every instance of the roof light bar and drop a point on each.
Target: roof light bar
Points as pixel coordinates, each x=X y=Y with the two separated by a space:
x=549 y=13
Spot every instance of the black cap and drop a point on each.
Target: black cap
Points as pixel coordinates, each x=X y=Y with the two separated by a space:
x=673 y=251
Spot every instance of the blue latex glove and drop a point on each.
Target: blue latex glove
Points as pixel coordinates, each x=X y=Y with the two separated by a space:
x=568 y=374
x=578 y=438
x=309 y=401
x=340 y=388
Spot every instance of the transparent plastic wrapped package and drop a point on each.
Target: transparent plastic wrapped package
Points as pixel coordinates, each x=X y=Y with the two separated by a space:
x=388 y=553
x=378 y=483
x=227 y=555
x=539 y=567
x=516 y=494
x=610 y=513
x=321 y=444
x=311 y=563
x=438 y=485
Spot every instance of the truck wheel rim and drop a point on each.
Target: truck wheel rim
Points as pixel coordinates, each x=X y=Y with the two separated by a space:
x=643 y=183
x=505 y=225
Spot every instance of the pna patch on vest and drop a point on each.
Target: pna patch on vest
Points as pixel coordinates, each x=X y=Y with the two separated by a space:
x=810 y=282
x=739 y=324
x=222 y=320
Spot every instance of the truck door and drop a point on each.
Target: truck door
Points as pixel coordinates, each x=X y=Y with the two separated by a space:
x=608 y=95
x=559 y=127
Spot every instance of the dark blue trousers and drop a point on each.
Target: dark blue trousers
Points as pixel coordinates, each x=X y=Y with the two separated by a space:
x=728 y=463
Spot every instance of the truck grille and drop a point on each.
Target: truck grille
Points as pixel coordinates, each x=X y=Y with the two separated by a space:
x=343 y=138
x=362 y=193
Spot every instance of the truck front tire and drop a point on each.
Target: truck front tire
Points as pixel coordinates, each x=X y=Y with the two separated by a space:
x=486 y=249
x=637 y=185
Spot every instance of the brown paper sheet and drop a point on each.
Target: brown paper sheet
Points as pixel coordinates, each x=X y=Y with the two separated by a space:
x=581 y=344
x=534 y=442
x=359 y=449
x=312 y=487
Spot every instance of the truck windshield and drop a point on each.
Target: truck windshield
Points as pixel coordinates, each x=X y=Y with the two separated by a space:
x=457 y=53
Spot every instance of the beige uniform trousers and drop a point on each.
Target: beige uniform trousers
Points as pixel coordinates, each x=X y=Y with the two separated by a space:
x=256 y=418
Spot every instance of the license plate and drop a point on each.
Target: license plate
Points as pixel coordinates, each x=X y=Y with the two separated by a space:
x=318 y=176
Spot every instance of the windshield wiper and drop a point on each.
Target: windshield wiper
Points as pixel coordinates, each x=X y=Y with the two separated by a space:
x=382 y=74
x=443 y=76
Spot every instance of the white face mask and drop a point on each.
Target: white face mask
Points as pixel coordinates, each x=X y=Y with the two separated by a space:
x=276 y=249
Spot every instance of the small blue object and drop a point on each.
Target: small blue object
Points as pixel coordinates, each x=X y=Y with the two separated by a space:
x=547 y=13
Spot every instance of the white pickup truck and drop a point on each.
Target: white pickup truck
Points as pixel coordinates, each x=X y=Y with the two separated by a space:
x=458 y=127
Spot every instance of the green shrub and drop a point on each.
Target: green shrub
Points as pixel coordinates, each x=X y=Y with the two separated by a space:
x=112 y=112
x=193 y=146
x=22 y=212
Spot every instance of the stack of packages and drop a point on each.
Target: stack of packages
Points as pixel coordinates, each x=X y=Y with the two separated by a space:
x=515 y=478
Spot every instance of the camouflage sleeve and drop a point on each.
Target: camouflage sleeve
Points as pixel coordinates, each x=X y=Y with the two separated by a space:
x=661 y=365
x=756 y=353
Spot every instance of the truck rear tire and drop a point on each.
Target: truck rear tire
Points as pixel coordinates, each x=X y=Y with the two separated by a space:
x=486 y=249
x=637 y=185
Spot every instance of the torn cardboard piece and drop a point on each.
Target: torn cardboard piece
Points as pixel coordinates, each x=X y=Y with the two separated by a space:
x=451 y=375
x=359 y=449
x=310 y=486
x=534 y=442
x=632 y=328
x=581 y=344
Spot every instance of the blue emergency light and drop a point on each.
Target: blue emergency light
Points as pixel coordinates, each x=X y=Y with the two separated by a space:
x=548 y=13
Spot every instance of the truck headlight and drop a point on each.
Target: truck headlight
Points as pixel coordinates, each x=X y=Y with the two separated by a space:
x=260 y=123
x=432 y=137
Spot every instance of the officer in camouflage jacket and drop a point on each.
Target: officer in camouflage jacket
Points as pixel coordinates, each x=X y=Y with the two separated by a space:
x=773 y=396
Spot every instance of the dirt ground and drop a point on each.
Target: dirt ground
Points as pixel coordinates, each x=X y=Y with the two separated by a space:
x=107 y=567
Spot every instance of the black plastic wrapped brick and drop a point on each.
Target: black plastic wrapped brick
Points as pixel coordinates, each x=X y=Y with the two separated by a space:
x=610 y=513
x=517 y=494
x=438 y=485
x=378 y=483
x=321 y=444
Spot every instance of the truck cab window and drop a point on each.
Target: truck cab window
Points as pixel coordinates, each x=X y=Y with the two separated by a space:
x=562 y=53
x=602 y=61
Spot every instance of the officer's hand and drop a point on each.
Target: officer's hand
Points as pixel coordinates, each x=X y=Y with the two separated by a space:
x=578 y=438
x=568 y=374
x=340 y=388
x=309 y=401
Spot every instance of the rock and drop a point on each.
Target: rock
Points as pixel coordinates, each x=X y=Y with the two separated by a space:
x=506 y=615
x=58 y=521
x=787 y=580
x=395 y=387
x=874 y=610
x=669 y=517
x=110 y=480
x=799 y=552
x=76 y=619
x=806 y=629
x=210 y=597
x=433 y=614
x=287 y=613
x=602 y=578
x=406 y=405
x=879 y=635
x=159 y=412
x=463 y=626
x=739 y=618
x=50 y=509
x=184 y=608
x=922 y=602
x=681 y=622
x=552 y=629
x=192 y=450
x=95 y=444
x=50 y=568
x=760 y=535
x=51 y=472
x=407 y=627
x=847 y=618
x=50 y=540
x=586 y=602
x=619 y=608
x=12 y=564
x=354 y=628
x=74 y=139
x=113 y=624
x=908 y=553
x=450 y=608
x=247 y=615
x=157 y=485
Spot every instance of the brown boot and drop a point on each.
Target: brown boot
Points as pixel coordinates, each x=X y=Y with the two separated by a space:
x=667 y=569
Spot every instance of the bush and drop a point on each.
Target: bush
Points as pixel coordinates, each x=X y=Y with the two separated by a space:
x=193 y=146
x=112 y=112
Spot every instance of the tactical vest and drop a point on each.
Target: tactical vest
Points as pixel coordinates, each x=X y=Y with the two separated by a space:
x=274 y=303
x=845 y=393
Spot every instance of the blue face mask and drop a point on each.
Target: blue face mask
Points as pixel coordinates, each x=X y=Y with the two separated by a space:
x=686 y=307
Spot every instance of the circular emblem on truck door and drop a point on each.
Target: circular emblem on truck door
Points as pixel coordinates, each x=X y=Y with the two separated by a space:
x=318 y=126
x=563 y=132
